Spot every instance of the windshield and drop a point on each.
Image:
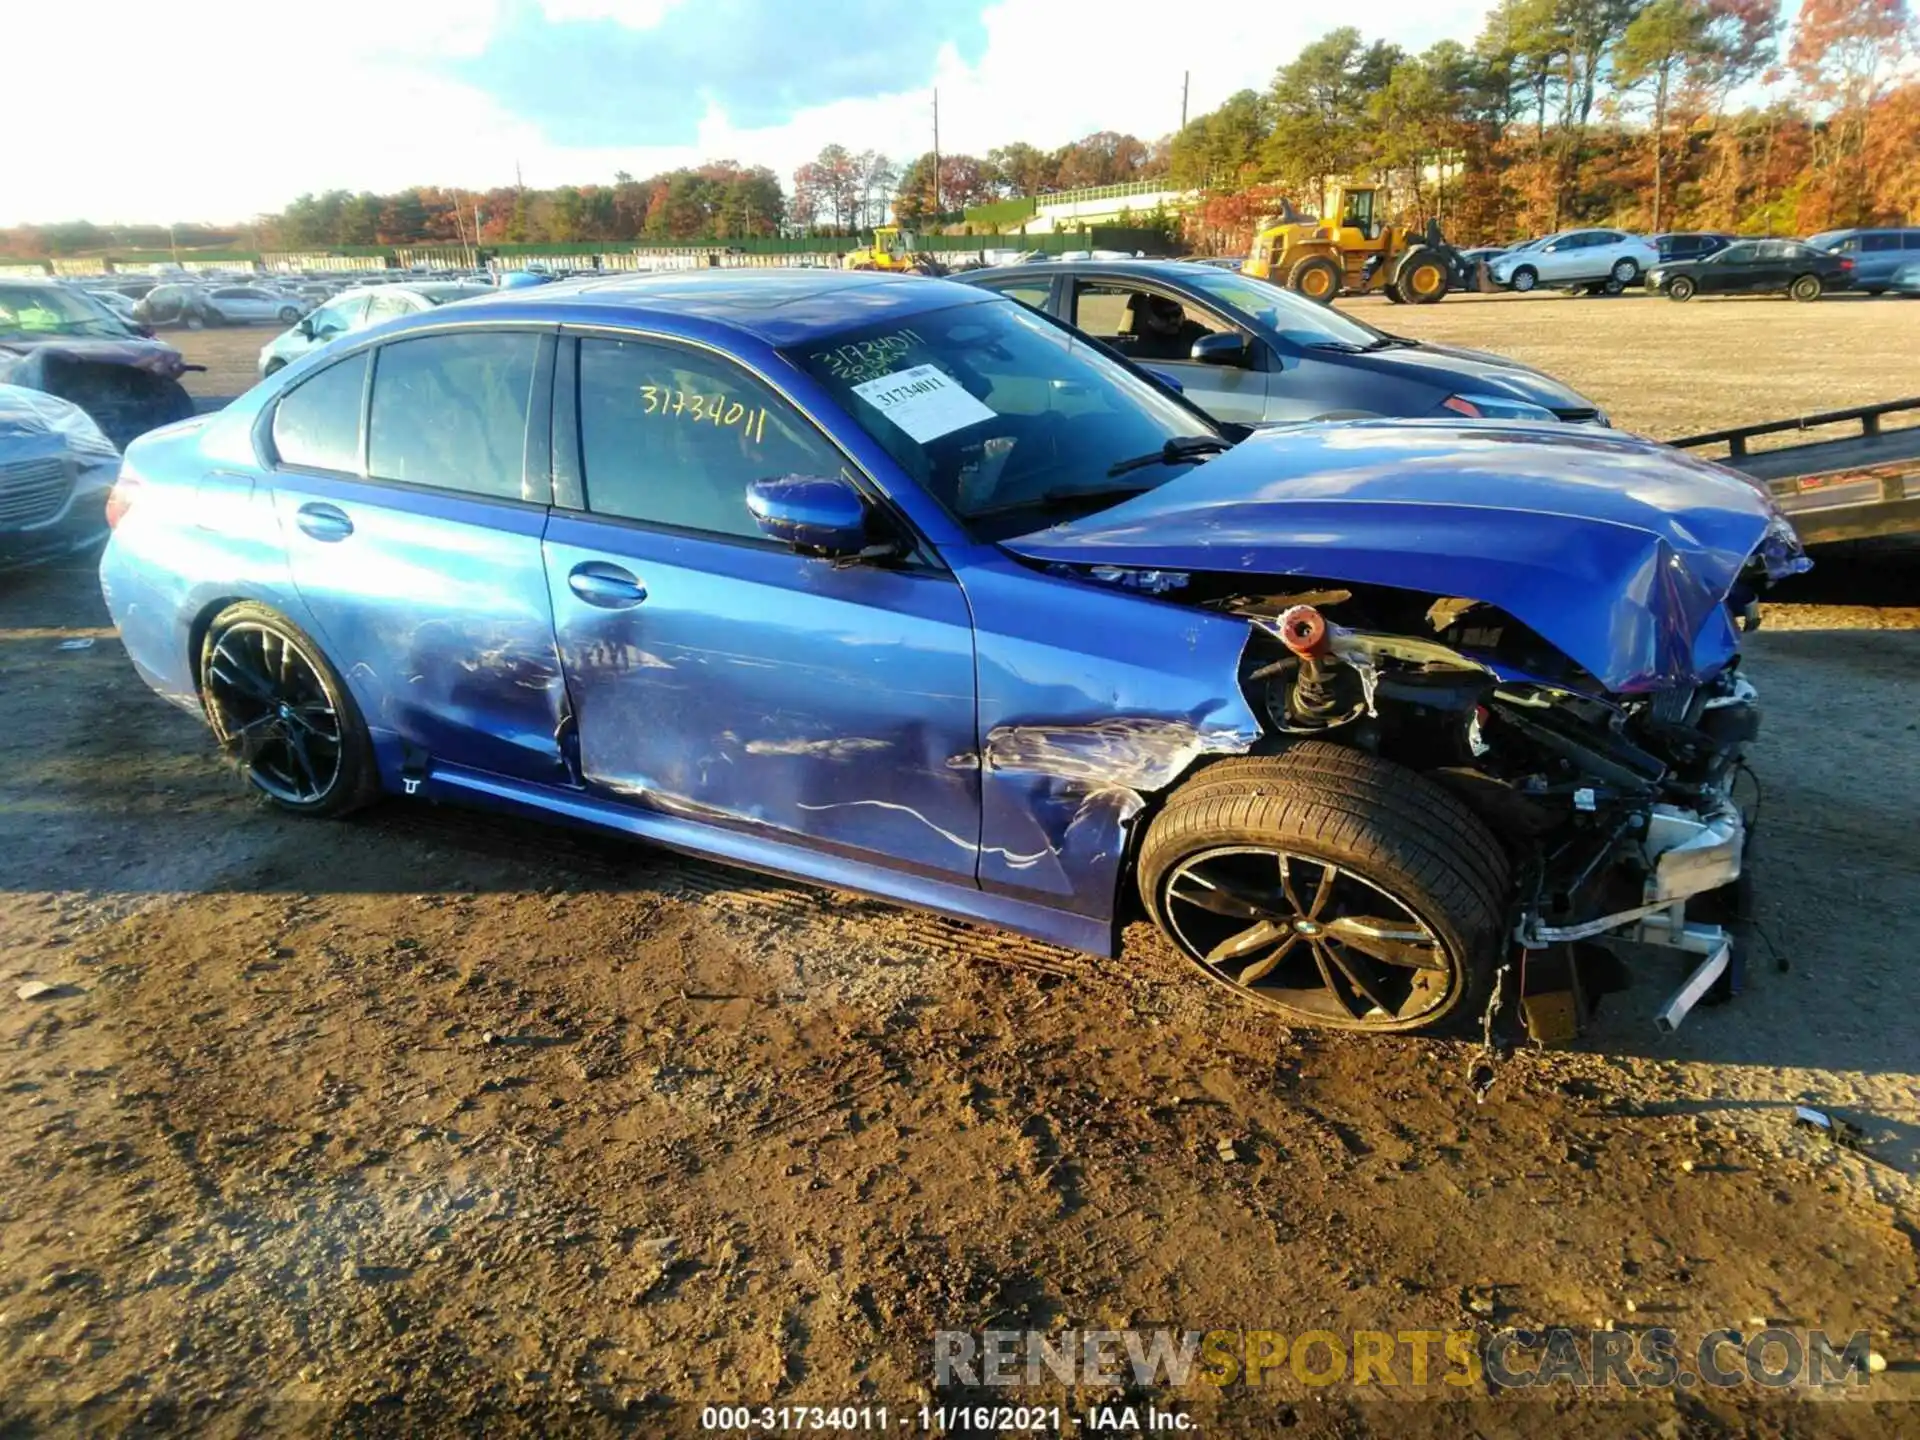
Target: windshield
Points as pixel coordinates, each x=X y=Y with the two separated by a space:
x=1293 y=317
x=28 y=311
x=1003 y=416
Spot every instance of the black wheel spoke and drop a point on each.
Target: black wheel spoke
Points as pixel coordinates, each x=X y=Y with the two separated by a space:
x=1254 y=937
x=1309 y=936
x=1355 y=971
x=1224 y=898
x=1265 y=966
x=271 y=706
x=1392 y=942
x=1332 y=986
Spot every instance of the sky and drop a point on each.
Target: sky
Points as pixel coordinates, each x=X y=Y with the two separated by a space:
x=121 y=112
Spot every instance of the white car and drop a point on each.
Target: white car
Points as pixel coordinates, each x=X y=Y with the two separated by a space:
x=356 y=310
x=55 y=470
x=248 y=304
x=1593 y=260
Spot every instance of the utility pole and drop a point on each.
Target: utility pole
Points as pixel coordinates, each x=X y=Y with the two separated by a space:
x=938 y=208
x=1185 y=76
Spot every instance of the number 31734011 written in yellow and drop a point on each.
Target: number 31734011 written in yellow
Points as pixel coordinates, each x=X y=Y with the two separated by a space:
x=718 y=410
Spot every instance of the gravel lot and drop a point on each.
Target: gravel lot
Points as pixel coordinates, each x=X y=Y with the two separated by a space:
x=422 y=1121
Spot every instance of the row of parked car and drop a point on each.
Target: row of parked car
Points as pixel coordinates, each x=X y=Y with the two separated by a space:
x=1681 y=265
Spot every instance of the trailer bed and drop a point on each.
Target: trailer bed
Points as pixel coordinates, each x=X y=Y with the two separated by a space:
x=1857 y=487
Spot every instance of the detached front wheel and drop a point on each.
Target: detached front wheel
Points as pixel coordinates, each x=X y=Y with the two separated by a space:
x=1331 y=886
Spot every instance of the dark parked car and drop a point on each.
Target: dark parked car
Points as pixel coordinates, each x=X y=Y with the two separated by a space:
x=1690 y=244
x=1876 y=254
x=1755 y=267
x=1247 y=351
x=887 y=583
x=60 y=340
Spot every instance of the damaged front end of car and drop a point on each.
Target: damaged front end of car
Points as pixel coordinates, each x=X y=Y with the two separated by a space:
x=1569 y=668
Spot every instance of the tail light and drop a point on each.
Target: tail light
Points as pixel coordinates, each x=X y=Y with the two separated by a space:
x=120 y=499
x=1845 y=263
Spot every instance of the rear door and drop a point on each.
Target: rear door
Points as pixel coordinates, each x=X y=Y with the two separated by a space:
x=720 y=676
x=412 y=487
x=1121 y=313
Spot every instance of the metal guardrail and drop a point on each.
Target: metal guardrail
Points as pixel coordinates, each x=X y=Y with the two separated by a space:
x=1736 y=439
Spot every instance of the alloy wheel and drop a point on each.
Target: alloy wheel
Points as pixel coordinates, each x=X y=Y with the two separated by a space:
x=270 y=706
x=1309 y=937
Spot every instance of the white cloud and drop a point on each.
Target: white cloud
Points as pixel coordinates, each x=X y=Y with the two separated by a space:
x=134 y=119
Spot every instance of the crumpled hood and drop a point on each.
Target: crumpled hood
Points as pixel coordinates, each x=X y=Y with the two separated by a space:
x=1476 y=372
x=1616 y=550
x=153 y=356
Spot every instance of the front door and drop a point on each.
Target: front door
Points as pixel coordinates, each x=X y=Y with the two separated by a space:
x=423 y=571
x=1156 y=329
x=718 y=675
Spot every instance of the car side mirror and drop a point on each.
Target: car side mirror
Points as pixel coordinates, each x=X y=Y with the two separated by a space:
x=820 y=514
x=1219 y=349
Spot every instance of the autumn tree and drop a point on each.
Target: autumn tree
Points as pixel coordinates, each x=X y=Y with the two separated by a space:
x=1847 y=54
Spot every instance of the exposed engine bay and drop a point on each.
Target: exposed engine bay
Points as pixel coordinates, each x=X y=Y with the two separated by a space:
x=1617 y=809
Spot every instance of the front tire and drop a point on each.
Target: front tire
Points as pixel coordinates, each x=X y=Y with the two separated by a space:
x=283 y=713
x=1423 y=276
x=1317 y=277
x=1331 y=886
x=1680 y=288
x=1805 y=287
x=288 y=314
x=1523 y=279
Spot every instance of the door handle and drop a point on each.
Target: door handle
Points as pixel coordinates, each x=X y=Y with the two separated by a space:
x=607 y=586
x=324 y=522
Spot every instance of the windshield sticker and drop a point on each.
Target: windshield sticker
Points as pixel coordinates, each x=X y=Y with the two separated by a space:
x=925 y=402
x=869 y=359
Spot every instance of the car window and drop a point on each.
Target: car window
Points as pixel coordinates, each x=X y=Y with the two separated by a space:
x=316 y=425
x=451 y=411
x=674 y=437
x=339 y=317
x=1290 y=315
x=1140 y=322
x=1033 y=294
x=387 y=306
x=1873 y=244
x=1737 y=254
x=1910 y=240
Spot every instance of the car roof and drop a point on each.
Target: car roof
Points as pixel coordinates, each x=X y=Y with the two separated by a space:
x=778 y=307
x=1174 y=272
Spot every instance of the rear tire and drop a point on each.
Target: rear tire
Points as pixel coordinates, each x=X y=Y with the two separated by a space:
x=1392 y=292
x=280 y=709
x=1415 y=875
x=1625 y=271
x=1805 y=287
x=1316 y=277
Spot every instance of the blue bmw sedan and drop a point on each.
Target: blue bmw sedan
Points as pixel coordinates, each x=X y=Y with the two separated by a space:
x=894 y=584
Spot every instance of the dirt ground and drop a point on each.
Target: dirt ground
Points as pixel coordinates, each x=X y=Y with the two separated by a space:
x=427 y=1122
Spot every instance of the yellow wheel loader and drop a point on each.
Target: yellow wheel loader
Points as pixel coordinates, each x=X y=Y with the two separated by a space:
x=892 y=249
x=1356 y=254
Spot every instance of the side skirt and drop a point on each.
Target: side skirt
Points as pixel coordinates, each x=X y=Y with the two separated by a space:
x=771 y=856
